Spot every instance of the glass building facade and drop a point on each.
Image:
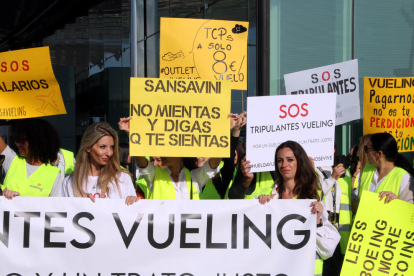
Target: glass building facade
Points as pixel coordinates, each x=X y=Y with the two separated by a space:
x=90 y=45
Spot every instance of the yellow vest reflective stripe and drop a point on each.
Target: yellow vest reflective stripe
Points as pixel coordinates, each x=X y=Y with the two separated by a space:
x=210 y=191
x=264 y=185
x=390 y=183
x=345 y=211
x=164 y=187
x=39 y=183
x=69 y=161
x=318 y=265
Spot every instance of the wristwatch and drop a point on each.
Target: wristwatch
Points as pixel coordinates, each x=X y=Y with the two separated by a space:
x=319 y=224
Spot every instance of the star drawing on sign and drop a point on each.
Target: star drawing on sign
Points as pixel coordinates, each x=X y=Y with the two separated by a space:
x=47 y=100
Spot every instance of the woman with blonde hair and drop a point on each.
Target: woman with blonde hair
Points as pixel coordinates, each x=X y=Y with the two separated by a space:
x=98 y=173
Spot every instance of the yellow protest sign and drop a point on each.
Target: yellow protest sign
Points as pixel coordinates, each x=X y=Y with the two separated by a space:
x=382 y=239
x=181 y=118
x=28 y=87
x=204 y=49
x=387 y=108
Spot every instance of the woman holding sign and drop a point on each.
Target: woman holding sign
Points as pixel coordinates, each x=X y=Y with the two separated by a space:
x=187 y=184
x=98 y=173
x=28 y=161
x=297 y=180
x=390 y=173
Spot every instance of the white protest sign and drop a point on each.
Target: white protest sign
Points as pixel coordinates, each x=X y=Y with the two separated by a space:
x=73 y=236
x=272 y=120
x=340 y=78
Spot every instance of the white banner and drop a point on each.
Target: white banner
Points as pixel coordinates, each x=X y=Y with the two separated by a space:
x=340 y=78
x=54 y=236
x=308 y=120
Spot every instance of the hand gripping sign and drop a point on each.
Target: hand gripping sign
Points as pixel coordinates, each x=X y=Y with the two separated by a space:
x=28 y=87
x=204 y=49
x=181 y=118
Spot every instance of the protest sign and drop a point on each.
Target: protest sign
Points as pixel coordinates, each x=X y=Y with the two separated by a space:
x=308 y=120
x=382 y=239
x=74 y=236
x=181 y=118
x=387 y=106
x=28 y=87
x=204 y=49
x=340 y=78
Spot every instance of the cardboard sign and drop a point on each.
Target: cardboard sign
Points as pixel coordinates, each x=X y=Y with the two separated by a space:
x=181 y=118
x=382 y=238
x=340 y=78
x=28 y=87
x=204 y=49
x=387 y=108
x=74 y=236
x=272 y=120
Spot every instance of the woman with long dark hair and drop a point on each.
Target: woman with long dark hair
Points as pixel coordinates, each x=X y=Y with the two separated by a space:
x=389 y=173
x=297 y=180
x=98 y=173
x=28 y=160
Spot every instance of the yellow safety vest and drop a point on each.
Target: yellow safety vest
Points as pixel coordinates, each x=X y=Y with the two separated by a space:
x=345 y=211
x=210 y=191
x=69 y=161
x=39 y=183
x=264 y=185
x=164 y=187
x=390 y=183
x=144 y=187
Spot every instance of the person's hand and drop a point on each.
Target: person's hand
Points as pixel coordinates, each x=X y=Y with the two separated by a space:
x=124 y=124
x=312 y=162
x=317 y=208
x=241 y=121
x=10 y=194
x=245 y=168
x=388 y=196
x=265 y=198
x=131 y=200
x=90 y=196
x=234 y=117
x=338 y=171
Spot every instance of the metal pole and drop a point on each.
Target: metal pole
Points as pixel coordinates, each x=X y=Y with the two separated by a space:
x=133 y=40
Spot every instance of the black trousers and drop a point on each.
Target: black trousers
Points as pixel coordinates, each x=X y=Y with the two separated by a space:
x=333 y=265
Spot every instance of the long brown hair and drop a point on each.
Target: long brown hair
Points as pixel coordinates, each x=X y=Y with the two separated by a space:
x=307 y=184
x=109 y=173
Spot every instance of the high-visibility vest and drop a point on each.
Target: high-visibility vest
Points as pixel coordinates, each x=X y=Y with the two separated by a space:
x=164 y=187
x=264 y=185
x=39 y=183
x=390 y=183
x=345 y=211
x=210 y=191
x=142 y=183
x=69 y=161
x=318 y=265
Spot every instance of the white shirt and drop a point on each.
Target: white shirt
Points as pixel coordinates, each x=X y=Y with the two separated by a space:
x=199 y=177
x=91 y=187
x=9 y=155
x=327 y=185
x=327 y=236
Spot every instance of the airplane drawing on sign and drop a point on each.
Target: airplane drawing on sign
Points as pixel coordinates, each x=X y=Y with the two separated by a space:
x=47 y=100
